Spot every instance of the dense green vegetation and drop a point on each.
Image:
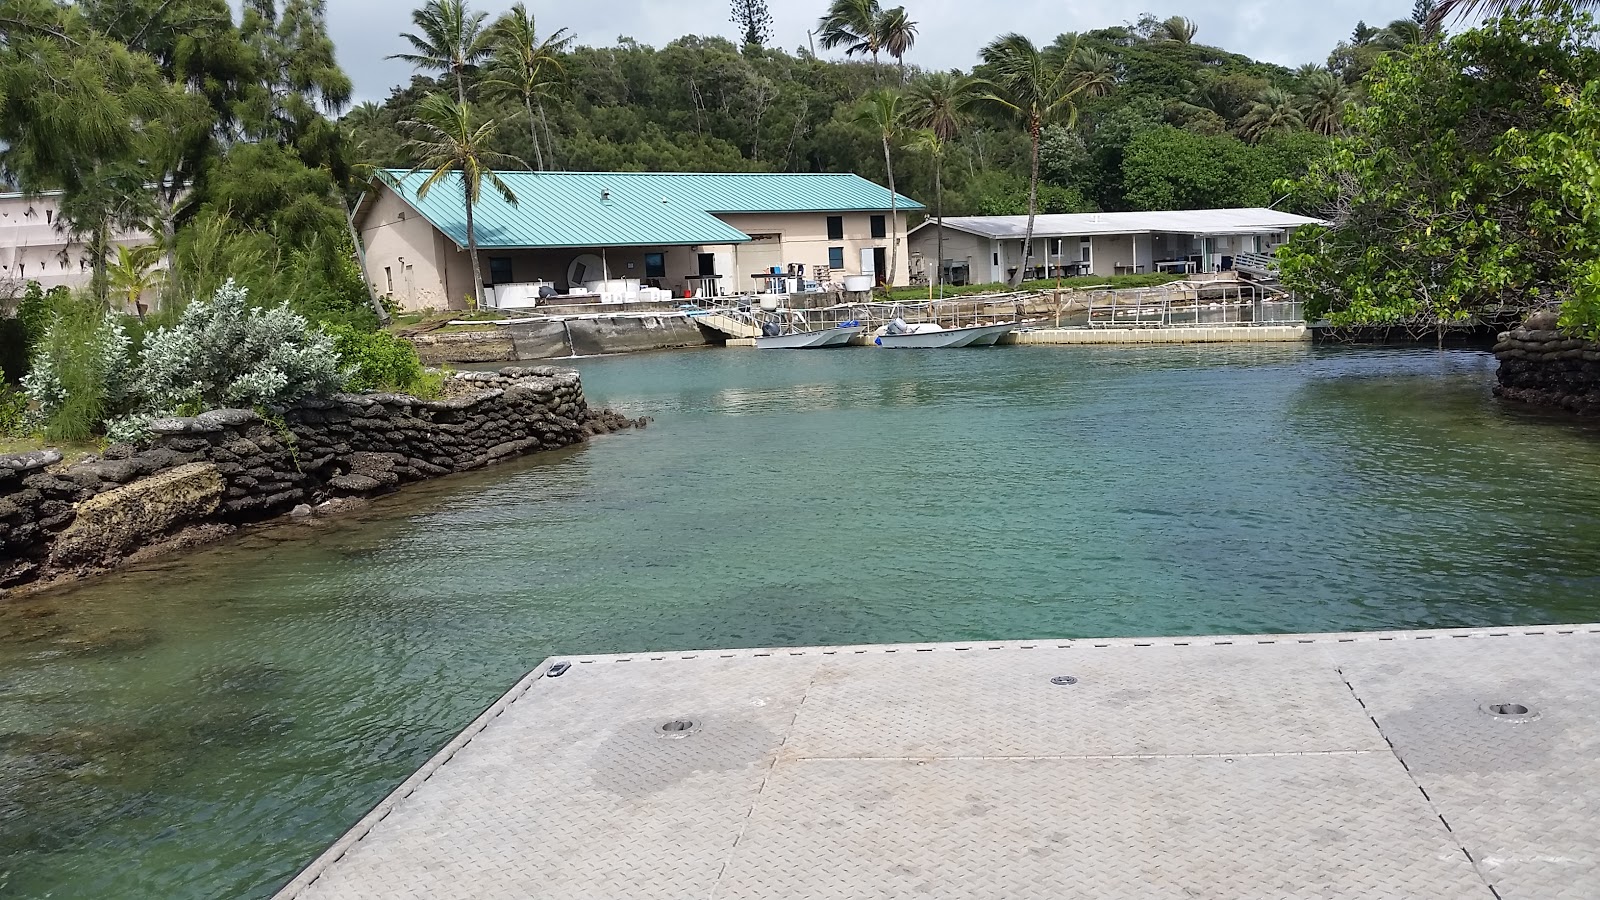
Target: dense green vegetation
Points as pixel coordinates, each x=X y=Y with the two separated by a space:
x=1468 y=187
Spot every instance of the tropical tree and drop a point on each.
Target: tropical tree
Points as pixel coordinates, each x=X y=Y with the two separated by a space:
x=449 y=39
x=938 y=106
x=1444 y=10
x=449 y=144
x=525 y=67
x=1035 y=89
x=133 y=274
x=1176 y=30
x=754 y=19
x=1323 y=103
x=1274 y=111
x=853 y=25
x=897 y=34
x=883 y=113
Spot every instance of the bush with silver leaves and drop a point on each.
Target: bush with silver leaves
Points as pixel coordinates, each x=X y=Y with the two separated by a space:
x=225 y=353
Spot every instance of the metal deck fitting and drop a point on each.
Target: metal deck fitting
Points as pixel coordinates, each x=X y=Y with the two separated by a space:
x=1446 y=764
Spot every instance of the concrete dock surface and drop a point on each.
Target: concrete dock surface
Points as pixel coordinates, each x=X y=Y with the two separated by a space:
x=1444 y=764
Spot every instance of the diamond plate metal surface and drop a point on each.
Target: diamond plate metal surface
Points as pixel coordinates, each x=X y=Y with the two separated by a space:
x=1182 y=768
x=1523 y=796
x=1251 y=827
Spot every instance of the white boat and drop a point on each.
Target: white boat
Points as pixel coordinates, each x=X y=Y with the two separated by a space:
x=934 y=337
x=809 y=340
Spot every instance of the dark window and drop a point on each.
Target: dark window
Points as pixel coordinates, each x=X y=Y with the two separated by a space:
x=836 y=258
x=997 y=259
x=655 y=265
x=880 y=226
x=499 y=270
x=708 y=265
x=836 y=228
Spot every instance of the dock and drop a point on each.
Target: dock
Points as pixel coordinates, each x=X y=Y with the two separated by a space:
x=1431 y=764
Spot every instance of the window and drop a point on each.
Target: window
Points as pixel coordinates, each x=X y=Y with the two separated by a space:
x=49 y=216
x=388 y=280
x=708 y=265
x=880 y=226
x=997 y=259
x=836 y=258
x=500 y=270
x=655 y=265
x=836 y=229
x=1084 y=250
x=1055 y=246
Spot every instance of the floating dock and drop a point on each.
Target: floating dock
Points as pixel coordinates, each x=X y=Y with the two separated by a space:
x=1444 y=764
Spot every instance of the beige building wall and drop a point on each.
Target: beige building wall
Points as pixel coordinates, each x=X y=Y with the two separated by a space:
x=959 y=247
x=805 y=241
x=407 y=258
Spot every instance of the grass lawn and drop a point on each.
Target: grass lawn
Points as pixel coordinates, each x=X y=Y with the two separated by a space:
x=1113 y=281
x=30 y=443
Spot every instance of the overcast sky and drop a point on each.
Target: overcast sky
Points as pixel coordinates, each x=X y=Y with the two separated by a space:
x=1289 y=32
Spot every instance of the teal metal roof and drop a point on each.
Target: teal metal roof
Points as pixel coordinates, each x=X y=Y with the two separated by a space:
x=632 y=209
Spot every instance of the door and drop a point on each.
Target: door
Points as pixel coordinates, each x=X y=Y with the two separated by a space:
x=869 y=263
x=880 y=265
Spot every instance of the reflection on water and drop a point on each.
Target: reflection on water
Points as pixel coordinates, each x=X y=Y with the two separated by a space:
x=202 y=727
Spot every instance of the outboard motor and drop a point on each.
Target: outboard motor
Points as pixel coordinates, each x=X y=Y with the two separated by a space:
x=899 y=326
x=771 y=329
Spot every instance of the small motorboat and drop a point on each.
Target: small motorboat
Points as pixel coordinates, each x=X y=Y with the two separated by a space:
x=810 y=340
x=899 y=336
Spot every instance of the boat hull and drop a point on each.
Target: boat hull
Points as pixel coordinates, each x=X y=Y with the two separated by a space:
x=809 y=340
x=951 y=339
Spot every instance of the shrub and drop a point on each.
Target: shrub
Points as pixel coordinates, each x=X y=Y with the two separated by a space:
x=13 y=408
x=80 y=371
x=223 y=352
x=378 y=361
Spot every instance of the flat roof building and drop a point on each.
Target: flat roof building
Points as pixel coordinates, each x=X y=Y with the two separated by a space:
x=36 y=246
x=584 y=234
x=988 y=249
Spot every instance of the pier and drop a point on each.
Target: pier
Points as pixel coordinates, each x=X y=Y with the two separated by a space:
x=1443 y=764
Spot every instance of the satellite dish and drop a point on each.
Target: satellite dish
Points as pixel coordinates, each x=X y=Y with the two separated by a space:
x=586 y=267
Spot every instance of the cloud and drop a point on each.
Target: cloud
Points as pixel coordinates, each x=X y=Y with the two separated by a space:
x=952 y=31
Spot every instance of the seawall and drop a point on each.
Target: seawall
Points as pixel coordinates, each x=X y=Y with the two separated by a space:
x=1217 y=335
x=1548 y=368
x=201 y=478
x=559 y=338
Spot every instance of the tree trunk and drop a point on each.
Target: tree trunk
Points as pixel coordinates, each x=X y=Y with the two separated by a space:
x=533 y=131
x=1036 y=130
x=100 y=245
x=461 y=85
x=472 y=248
x=549 y=138
x=894 y=218
x=938 y=211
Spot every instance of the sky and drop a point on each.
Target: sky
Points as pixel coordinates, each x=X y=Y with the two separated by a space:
x=1289 y=32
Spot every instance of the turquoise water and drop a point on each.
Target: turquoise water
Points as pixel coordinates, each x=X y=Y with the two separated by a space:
x=202 y=728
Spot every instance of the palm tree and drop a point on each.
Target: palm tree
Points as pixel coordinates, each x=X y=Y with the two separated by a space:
x=853 y=25
x=1036 y=89
x=882 y=111
x=1273 y=111
x=1401 y=35
x=1097 y=70
x=446 y=141
x=1323 y=103
x=134 y=273
x=527 y=68
x=1463 y=8
x=450 y=39
x=897 y=34
x=937 y=105
x=1176 y=30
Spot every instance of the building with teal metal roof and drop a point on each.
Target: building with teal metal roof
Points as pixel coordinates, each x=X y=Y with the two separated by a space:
x=576 y=233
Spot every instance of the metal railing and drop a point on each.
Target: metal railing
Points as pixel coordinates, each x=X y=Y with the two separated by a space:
x=1183 y=306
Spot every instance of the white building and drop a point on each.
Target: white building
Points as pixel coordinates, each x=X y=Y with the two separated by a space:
x=35 y=247
x=988 y=249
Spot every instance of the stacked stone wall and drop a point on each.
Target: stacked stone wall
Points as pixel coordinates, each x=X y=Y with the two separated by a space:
x=1545 y=367
x=202 y=477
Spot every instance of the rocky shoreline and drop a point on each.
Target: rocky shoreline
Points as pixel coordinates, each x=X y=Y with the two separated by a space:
x=202 y=478
x=1542 y=366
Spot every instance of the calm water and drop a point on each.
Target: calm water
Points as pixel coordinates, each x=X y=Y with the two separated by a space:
x=203 y=728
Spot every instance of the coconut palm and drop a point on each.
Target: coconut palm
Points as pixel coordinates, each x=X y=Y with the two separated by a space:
x=525 y=67
x=1036 y=89
x=938 y=106
x=897 y=34
x=450 y=38
x=1446 y=9
x=1273 y=111
x=447 y=142
x=853 y=25
x=1176 y=30
x=1401 y=35
x=1323 y=103
x=134 y=273
x=882 y=111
